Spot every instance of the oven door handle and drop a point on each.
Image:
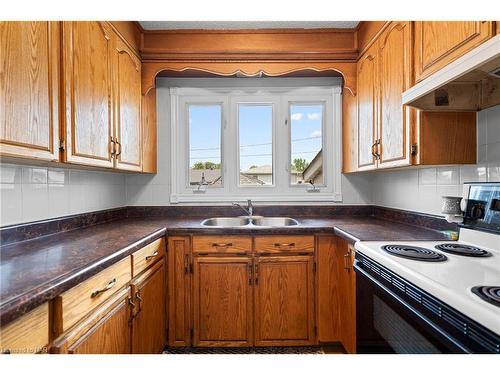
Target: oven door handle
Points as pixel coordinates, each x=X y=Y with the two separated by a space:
x=358 y=268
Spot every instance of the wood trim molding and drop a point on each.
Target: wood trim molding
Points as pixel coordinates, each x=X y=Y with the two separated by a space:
x=367 y=33
x=268 y=44
x=347 y=70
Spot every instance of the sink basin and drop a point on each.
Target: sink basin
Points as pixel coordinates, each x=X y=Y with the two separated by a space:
x=226 y=222
x=274 y=222
x=249 y=222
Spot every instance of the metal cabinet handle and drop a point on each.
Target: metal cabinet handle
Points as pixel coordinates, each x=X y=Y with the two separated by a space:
x=291 y=244
x=377 y=143
x=374 y=154
x=186 y=264
x=119 y=147
x=112 y=144
x=97 y=292
x=250 y=274
x=132 y=304
x=152 y=255
x=222 y=244
x=138 y=297
x=256 y=272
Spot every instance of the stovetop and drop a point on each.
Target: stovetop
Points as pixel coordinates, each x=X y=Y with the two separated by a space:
x=453 y=277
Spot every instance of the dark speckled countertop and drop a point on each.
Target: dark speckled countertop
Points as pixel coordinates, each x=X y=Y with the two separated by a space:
x=35 y=271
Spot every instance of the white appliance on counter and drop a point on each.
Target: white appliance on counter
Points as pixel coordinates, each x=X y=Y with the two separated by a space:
x=434 y=296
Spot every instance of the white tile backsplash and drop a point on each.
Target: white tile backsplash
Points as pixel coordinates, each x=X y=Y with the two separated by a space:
x=29 y=193
x=400 y=190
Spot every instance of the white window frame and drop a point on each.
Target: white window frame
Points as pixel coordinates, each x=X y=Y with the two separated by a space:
x=280 y=97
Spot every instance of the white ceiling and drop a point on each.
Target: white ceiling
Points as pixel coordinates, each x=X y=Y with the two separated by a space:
x=221 y=25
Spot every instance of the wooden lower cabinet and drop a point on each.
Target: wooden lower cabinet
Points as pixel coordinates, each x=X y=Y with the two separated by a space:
x=28 y=334
x=105 y=331
x=149 y=314
x=222 y=301
x=336 y=292
x=284 y=300
x=179 y=291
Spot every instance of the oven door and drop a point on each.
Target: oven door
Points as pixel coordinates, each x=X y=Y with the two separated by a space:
x=387 y=323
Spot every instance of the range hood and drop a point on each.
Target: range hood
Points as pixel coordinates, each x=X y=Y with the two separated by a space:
x=470 y=83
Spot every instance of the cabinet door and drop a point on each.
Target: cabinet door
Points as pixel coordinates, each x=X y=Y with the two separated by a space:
x=284 y=301
x=106 y=330
x=367 y=108
x=222 y=301
x=336 y=291
x=437 y=43
x=329 y=289
x=348 y=297
x=179 y=288
x=29 y=71
x=394 y=78
x=87 y=60
x=150 y=318
x=127 y=75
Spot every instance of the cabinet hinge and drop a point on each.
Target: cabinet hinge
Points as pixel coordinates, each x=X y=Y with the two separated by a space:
x=62 y=145
x=414 y=149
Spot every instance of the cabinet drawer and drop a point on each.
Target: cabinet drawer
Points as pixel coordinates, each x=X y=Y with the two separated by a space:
x=29 y=334
x=284 y=244
x=80 y=300
x=147 y=256
x=222 y=244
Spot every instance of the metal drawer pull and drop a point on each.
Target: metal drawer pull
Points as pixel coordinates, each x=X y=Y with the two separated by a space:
x=291 y=244
x=152 y=255
x=110 y=285
x=222 y=244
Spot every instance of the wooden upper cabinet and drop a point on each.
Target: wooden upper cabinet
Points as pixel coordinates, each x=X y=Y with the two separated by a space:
x=29 y=89
x=367 y=108
x=395 y=76
x=222 y=301
x=150 y=319
x=87 y=59
x=284 y=300
x=437 y=43
x=127 y=69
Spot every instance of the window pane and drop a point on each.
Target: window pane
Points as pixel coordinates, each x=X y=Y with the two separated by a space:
x=205 y=144
x=306 y=143
x=256 y=144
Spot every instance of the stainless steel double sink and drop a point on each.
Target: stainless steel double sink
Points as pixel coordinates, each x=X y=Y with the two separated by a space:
x=249 y=221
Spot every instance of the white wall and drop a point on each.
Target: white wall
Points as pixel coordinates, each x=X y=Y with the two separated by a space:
x=421 y=189
x=29 y=193
x=155 y=190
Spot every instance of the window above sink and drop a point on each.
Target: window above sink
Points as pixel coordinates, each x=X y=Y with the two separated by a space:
x=264 y=139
